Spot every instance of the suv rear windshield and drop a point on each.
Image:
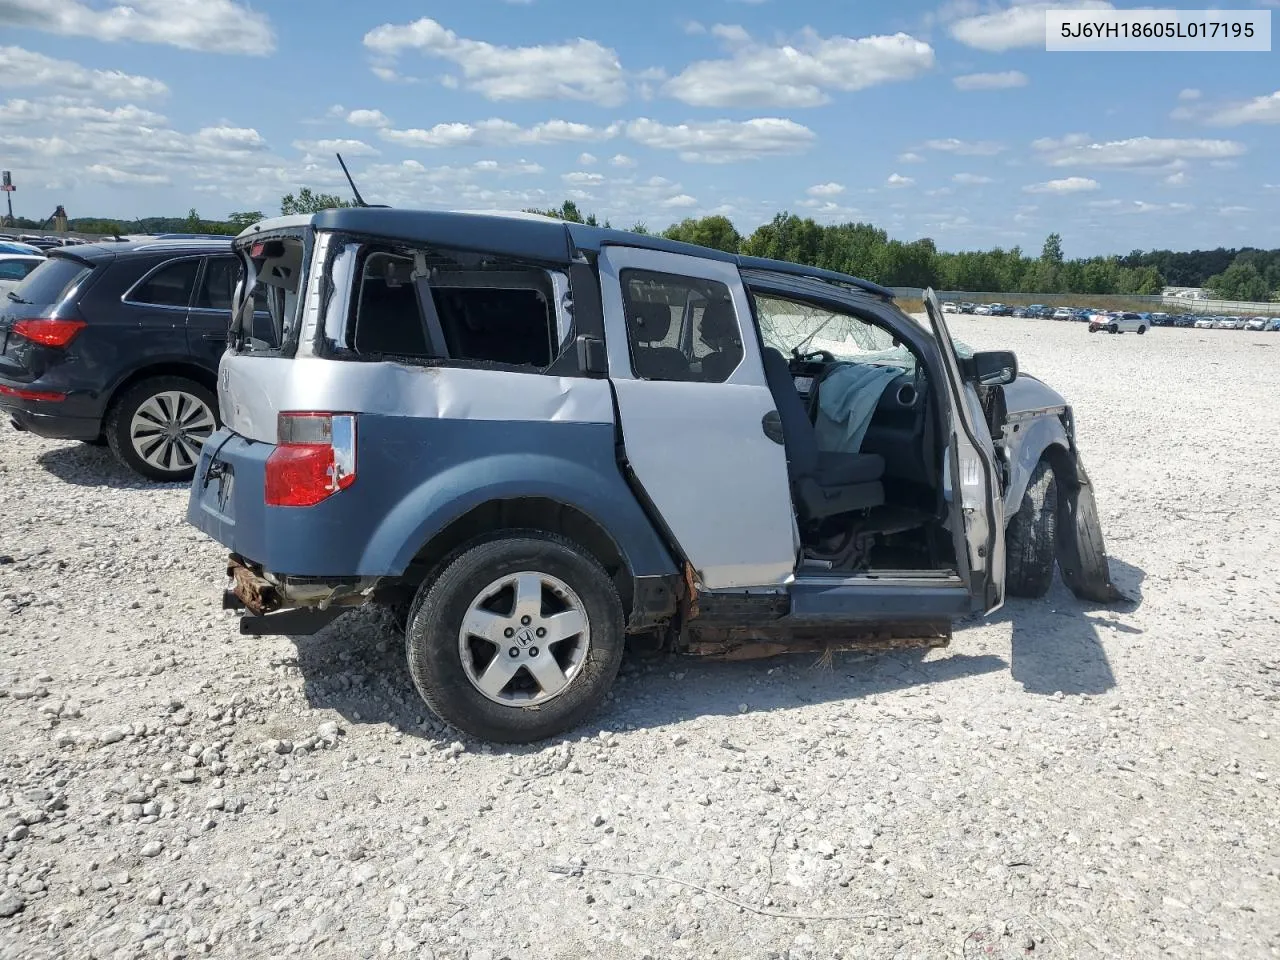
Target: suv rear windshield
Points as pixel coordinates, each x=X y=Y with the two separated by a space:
x=52 y=281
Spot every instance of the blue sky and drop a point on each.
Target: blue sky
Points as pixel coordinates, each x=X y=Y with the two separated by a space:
x=947 y=120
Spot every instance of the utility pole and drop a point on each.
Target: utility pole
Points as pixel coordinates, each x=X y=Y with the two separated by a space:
x=8 y=189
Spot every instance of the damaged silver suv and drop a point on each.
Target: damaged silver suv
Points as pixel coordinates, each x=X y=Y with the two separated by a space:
x=535 y=439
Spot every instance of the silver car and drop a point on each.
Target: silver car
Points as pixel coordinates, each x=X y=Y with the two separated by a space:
x=534 y=440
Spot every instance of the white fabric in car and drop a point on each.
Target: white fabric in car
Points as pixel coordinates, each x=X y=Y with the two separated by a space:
x=847 y=399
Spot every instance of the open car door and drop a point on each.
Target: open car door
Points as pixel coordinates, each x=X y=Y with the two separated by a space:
x=972 y=468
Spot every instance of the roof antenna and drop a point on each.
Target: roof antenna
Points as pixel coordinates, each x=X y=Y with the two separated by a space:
x=359 y=199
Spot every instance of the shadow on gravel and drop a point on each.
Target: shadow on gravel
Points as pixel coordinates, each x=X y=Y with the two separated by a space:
x=1057 y=645
x=356 y=667
x=89 y=466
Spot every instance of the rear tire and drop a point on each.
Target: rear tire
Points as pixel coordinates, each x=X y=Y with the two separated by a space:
x=1031 y=537
x=157 y=427
x=1141 y=330
x=452 y=666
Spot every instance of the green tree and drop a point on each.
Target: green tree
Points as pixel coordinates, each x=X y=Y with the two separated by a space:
x=1052 y=252
x=308 y=202
x=1240 y=281
x=716 y=232
x=245 y=218
x=568 y=210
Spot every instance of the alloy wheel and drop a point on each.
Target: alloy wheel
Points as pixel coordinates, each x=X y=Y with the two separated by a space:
x=524 y=639
x=169 y=428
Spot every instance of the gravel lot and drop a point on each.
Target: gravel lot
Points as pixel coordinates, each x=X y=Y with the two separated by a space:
x=1065 y=781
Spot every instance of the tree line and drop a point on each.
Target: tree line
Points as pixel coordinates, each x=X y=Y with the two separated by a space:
x=867 y=251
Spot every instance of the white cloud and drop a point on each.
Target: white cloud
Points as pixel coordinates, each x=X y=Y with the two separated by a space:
x=1137 y=153
x=1189 y=94
x=327 y=148
x=497 y=132
x=503 y=169
x=368 y=118
x=678 y=202
x=1065 y=185
x=971 y=179
x=621 y=160
x=965 y=148
x=1264 y=109
x=910 y=158
x=1022 y=25
x=799 y=75
x=897 y=180
x=24 y=68
x=586 y=159
x=825 y=189
x=105 y=173
x=579 y=178
x=575 y=70
x=211 y=26
x=1233 y=211
x=1179 y=179
x=991 y=81
x=723 y=141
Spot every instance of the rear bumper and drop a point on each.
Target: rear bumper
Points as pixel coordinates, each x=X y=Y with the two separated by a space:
x=31 y=417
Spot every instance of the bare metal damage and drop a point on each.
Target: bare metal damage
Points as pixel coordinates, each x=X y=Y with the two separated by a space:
x=726 y=642
x=262 y=593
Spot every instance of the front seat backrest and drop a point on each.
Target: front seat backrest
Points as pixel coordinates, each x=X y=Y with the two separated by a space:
x=798 y=434
x=649 y=323
x=719 y=331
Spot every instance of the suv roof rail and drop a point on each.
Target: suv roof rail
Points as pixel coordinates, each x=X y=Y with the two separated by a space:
x=817 y=273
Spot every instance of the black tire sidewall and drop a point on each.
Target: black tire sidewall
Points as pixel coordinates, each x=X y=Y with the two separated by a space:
x=1031 y=537
x=121 y=416
x=432 y=637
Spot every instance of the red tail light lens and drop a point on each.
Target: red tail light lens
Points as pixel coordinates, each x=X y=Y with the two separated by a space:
x=22 y=394
x=314 y=458
x=47 y=331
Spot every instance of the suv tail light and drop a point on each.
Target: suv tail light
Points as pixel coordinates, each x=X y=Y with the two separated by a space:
x=314 y=458
x=47 y=331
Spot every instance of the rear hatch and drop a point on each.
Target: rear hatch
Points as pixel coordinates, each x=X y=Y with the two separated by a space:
x=227 y=497
x=49 y=293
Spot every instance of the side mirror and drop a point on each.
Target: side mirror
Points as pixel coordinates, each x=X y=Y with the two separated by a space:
x=992 y=368
x=592 y=358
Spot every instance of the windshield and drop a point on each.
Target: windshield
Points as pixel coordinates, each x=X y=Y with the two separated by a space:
x=791 y=326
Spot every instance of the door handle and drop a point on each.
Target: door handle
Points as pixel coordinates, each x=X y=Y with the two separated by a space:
x=772 y=426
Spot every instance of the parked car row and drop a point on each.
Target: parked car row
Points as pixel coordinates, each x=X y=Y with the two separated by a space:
x=545 y=492
x=1138 y=322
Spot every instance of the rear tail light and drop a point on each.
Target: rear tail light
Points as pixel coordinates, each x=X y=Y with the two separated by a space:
x=22 y=394
x=47 y=331
x=314 y=458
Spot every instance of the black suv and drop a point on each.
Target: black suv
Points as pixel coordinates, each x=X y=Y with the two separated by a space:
x=119 y=343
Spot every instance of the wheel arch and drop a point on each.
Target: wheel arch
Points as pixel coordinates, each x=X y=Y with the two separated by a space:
x=1044 y=438
x=163 y=368
x=553 y=495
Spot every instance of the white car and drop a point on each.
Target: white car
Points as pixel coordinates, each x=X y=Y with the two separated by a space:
x=949 y=307
x=982 y=310
x=1205 y=323
x=1118 y=323
x=1256 y=323
x=14 y=268
x=1228 y=323
x=1063 y=313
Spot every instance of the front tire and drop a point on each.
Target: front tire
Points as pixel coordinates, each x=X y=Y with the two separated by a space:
x=1031 y=537
x=518 y=639
x=158 y=426
x=1141 y=331
x=1113 y=329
